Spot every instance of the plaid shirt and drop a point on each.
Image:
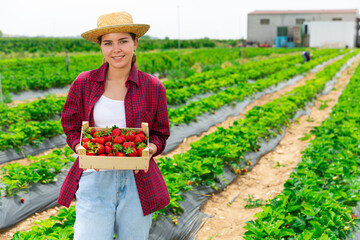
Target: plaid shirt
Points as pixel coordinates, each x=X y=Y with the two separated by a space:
x=145 y=101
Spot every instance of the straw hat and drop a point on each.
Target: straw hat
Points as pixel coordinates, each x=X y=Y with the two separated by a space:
x=115 y=22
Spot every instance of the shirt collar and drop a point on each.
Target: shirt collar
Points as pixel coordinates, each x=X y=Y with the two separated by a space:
x=99 y=75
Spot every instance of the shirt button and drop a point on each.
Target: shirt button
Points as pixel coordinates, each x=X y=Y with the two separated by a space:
x=97 y=95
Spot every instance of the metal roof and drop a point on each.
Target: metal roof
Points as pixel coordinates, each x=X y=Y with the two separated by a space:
x=304 y=11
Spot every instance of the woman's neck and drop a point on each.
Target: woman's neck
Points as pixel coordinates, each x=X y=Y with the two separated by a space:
x=115 y=74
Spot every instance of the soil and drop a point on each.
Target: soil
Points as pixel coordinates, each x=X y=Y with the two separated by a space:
x=226 y=224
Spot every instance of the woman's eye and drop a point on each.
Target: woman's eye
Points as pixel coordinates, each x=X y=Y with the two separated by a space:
x=123 y=41
x=107 y=43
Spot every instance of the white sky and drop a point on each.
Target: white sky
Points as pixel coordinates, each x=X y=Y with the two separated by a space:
x=221 y=19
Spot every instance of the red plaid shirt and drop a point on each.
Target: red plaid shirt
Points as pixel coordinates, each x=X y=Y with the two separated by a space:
x=145 y=101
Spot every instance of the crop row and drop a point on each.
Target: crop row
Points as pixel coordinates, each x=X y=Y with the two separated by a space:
x=43 y=169
x=204 y=162
x=43 y=73
x=31 y=123
x=318 y=197
x=242 y=89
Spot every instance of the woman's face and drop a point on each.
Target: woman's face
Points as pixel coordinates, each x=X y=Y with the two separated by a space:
x=118 y=49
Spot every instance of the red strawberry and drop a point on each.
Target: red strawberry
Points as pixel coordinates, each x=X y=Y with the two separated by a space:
x=244 y=170
x=140 y=132
x=137 y=139
x=102 y=154
x=132 y=153
x=142 y=136
x=128 y=144
x=354 y=216
x=86 y=140
x=108 y=149
x=117 y=148
x=108 y=138
x=90 y=153
x=99 y=140
x=87 y=145
x=22 y=200
x=248 y=163
x=237 y=171
x=110 y=154
x=140 y=150
x=91 y=131
x=120 y=154
x=108 y=144
x=116 y=131
x=130 y=135
x=118 y=139
x=100 y=149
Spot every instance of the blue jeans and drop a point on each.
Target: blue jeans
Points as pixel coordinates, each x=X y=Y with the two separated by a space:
x=107 y=203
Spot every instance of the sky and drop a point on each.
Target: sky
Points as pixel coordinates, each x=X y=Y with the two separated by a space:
x=184 y=19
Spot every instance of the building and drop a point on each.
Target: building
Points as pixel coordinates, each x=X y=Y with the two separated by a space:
x=309 y=28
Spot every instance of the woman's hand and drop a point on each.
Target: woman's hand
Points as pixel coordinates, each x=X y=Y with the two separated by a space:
x=152 y=151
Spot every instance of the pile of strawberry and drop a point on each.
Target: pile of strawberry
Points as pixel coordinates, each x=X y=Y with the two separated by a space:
x=114 y=142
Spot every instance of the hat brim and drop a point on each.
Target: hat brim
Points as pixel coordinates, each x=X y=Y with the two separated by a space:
x=94 y=34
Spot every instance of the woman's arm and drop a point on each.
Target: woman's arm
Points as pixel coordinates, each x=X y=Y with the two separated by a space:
x=160 y=130
x=71 y=116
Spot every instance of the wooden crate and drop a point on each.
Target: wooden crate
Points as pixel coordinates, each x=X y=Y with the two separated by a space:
x=115 y=163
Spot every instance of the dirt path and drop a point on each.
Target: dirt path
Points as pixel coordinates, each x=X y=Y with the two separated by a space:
x=183 y=147
x=267 y=178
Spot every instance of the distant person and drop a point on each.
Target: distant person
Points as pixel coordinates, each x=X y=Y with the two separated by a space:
x=306 y=55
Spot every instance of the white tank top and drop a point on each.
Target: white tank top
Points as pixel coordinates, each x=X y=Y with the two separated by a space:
x=107 y=113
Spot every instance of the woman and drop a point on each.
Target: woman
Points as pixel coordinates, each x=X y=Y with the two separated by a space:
x=116 y=201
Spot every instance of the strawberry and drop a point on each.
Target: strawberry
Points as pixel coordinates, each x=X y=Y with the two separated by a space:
x=108 y=138
x=87 y=145
x=130 y=136
x=115 y=131
x=188 y=182
x=237 y=171
x=119 y=139
x=354 y=216
x=99 y=140
x=140 y=150
x=102 y=154
x=137 y=139
x=117 y=148
x=128 y=144
x=100 y=149
x=22 y=200
x=108 y=144
x=90 y=153
x=248 y=163
x=108 y=149
x=244 y=170
x=142 y=136
x=85 y=140
x=91 y=131
x=110 y=154
x=140 y=132
x=120 y=154
x=132 y=153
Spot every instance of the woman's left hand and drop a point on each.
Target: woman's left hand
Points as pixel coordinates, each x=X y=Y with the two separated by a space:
x=152 y=151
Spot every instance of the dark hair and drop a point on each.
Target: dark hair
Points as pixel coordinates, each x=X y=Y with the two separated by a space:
x=133 y=36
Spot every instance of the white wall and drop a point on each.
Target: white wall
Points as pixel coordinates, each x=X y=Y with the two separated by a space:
x=333 y=34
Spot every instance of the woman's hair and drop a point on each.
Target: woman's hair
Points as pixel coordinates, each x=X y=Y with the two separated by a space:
x=133 y=36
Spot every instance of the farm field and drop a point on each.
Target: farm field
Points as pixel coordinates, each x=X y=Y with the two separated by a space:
x=260 y=146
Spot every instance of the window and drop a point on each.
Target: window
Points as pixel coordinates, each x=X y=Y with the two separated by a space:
x=337 y=19
x=300 y=21
x=264 y=21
